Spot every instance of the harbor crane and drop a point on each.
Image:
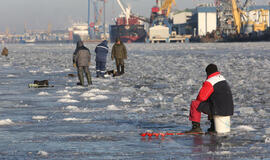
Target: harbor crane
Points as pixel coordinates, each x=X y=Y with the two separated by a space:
x=243 y=18
x=167 y=5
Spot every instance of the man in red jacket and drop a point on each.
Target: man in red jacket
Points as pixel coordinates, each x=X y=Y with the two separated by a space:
x=214 y=98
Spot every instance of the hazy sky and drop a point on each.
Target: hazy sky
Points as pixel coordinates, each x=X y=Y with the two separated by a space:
x=37 y=14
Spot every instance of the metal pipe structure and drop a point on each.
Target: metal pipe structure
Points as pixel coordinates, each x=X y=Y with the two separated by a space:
x=88 y=20
x=104 y=21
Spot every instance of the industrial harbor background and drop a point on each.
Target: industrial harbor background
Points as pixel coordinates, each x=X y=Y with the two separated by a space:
x=221 y=21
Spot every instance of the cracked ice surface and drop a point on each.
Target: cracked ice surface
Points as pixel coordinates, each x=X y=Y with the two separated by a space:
x=103 y=121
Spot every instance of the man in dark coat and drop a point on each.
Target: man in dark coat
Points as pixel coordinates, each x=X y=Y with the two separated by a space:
x=119 y=53
x=214 y=98
x=81 y=60
x=4 y=52
x=101 y=58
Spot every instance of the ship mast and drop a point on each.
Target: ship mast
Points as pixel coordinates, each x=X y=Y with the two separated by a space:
x=126 y=11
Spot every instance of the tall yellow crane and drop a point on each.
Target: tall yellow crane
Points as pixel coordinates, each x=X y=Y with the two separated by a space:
x=236 y=16
x=242 y=18
x=167 y=5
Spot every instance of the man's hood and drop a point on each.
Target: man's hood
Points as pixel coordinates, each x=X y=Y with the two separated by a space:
x=79 y=44
x=105 y=42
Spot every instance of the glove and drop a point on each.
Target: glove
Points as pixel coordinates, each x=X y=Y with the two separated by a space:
x=74 y=65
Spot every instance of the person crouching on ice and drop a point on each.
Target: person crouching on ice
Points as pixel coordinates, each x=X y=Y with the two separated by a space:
x=81 y=61
x=101 y=58
x=214 y=99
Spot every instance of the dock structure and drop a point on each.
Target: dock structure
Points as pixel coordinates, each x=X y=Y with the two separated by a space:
x=171 y=39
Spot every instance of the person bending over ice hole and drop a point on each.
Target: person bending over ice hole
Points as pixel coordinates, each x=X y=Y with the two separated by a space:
x=81 y=61
x=214 y=99
x=101 y=58
x=119 y=53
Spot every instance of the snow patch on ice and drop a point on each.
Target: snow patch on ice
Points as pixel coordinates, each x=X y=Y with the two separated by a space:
x=32 y=71
x=267 y=140
x=43 y=153
x=6 y=122
x=11 y=76
x=39 y=117
x=267 y=130
x=98 y=97
x=125 y=100
x=112 y=108
x=76 y=119
x=190 y=82
x=246 y=110
x=98 y=91
x=62 y=91
x=76 y=109
x=147 y=101
x=245 y=128
x=178 y=99
x=66 y=96
x=145 y=89
x=67 y=100
x=88 y=94
x=128 y=89
x=220 y=152
x=43 y=94
x=141 y=109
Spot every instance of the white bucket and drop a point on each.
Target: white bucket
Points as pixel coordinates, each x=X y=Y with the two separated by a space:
x=222 y=124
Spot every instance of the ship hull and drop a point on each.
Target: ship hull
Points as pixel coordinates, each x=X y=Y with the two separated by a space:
x=128 y=33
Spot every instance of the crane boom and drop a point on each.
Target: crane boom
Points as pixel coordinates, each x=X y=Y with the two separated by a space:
x=236 y=16
x=167 y=5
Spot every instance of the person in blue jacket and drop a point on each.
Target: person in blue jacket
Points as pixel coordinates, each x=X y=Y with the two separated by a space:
x=101 y=58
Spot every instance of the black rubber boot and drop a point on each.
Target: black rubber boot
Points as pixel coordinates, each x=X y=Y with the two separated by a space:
x=118 y=70
x=212 y=127
x=122 y=69
x=195 y=128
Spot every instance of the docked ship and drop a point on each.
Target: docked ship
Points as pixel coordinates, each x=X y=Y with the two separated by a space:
x=128 y=27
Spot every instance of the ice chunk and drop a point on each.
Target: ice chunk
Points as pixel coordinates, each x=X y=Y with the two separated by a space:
x=39 y=117
x=43 y=153
x=246 y=110
x=88 y=94
x=145 y=89
x=141 y=109
x=67 y=101
x=6 y=122
x=98 y=91
x=11 y=76
x=112 y=108
x=267 y=130
x=178 y=99
x=245 y=128
x=43 y=94
x=67 y=96
x=99 y=97
x=125 y=99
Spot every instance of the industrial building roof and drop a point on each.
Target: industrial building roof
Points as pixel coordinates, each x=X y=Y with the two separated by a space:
x=206 y=9
x=258 y=7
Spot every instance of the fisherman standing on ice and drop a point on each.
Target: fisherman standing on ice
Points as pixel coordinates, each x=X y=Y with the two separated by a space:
x=119 y=53
x=214 y=99
x=101 y=58
x=81 y=61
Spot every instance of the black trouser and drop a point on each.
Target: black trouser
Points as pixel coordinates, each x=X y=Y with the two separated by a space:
x=84 y=69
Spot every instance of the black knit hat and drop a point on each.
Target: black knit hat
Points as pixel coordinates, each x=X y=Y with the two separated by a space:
x=210 y=69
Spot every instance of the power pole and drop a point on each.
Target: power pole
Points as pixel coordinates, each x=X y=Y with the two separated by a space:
x=104 y=20
x=89 y=19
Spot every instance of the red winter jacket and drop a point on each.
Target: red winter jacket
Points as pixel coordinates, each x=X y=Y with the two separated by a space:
x=217 y=92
